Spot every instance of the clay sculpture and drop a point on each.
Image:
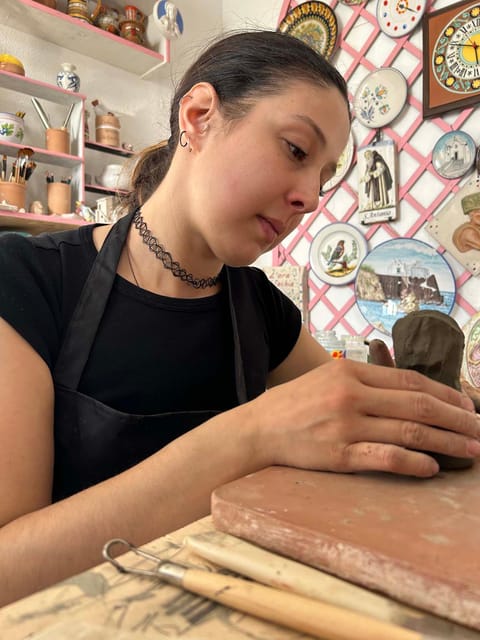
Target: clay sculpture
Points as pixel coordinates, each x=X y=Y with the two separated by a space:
x=432 y=343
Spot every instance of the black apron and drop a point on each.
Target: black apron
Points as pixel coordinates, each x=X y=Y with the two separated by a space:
x=93 y=441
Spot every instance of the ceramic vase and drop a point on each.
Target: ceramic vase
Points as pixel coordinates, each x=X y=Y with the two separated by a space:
x=67 y=78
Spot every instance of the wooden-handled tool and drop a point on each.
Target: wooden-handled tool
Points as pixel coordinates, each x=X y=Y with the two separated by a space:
x=280 y=607
x=246 y=559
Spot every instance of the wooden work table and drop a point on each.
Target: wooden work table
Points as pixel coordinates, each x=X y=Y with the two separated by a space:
x=102 y=604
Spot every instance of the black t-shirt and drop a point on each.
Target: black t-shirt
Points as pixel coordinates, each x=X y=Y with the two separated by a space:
x=152 y=353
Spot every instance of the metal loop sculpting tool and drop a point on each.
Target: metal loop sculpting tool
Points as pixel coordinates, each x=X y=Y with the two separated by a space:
x=283 y=608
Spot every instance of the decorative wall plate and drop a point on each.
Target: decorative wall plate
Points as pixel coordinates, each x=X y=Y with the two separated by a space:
x=336 y=252
x=343 y=165
x=400 y=276
x=454 y=154
x=456 y=229
x=396 y=18
x=380 y=97
x=315 y=24
x=471 y=353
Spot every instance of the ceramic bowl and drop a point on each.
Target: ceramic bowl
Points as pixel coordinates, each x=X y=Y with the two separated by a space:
x=12 y=127
x=113 y=176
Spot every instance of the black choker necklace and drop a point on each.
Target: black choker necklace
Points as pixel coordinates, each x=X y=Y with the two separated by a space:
x=168 y=262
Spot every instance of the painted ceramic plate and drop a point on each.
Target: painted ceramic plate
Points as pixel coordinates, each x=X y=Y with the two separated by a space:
x=380 y=97
x=168 y=19
x=336 y=252
x=400 y=276
x=315 y=24
x=454 y=154
x=343 y=165
x=396 y=18
x=471 y=353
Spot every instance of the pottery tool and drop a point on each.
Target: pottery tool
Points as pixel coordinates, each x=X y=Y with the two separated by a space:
x=280 y=607
x=66 y=122
x=41 y=113
x=412 y=539
x=269 y=568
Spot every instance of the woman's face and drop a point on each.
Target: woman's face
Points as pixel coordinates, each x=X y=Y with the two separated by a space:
x=258 y=176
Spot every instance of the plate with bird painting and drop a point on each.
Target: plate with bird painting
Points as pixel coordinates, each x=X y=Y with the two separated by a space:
x=315 y=24
x=336 y=253
x=380 y=97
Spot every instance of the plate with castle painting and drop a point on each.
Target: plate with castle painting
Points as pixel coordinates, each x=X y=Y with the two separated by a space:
x=471 y=353
x=400 y=276
x=454 y=154
x=336 y=252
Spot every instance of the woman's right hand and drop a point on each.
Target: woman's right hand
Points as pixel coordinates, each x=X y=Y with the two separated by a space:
x=348 y=416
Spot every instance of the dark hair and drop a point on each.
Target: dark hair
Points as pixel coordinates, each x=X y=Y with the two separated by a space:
x=242 y=68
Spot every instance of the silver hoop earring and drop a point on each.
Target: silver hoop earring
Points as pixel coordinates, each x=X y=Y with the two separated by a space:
x=183 y=140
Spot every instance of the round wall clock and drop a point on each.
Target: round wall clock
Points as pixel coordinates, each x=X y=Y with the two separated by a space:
x=396 y=18
x=315 y=24
x=451 y=52
x=453 y=154
x=456 y=53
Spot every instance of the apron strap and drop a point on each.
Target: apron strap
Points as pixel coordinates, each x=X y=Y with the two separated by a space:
x=81 y=331
x=240 y=384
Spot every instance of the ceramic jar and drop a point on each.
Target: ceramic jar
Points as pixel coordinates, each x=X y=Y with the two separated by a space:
x=12 y=127
x=108 y=19
x=113 y=177
x=80 y=9
x=67 y=78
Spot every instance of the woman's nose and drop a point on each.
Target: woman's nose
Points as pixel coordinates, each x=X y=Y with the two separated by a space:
x=305 y=196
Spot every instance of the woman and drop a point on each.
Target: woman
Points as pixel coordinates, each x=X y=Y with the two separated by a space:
x=134 y=362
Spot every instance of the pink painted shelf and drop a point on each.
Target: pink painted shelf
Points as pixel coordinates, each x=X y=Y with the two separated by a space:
x=42 y=155
x=60 y=29
x=35 y=223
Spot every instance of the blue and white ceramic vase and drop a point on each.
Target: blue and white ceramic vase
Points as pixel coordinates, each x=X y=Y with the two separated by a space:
x=67 y=78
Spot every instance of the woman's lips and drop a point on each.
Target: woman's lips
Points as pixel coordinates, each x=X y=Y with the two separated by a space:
x=271 y=228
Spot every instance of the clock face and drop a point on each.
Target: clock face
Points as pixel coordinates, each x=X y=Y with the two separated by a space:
x=456 y=54
x=396 y=18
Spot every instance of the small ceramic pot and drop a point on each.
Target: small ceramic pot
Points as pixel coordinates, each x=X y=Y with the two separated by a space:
x=12 y=127
x=108 y=19
x=67 y=78
x=113 y=177
x=133 y=31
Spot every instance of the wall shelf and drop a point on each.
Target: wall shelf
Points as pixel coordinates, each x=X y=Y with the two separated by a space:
x=104 y=148
x=97 y=188
x=60 y=29
x=42 y=155
x=36 y=223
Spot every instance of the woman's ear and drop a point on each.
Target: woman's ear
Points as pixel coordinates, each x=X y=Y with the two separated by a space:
x=197 y=107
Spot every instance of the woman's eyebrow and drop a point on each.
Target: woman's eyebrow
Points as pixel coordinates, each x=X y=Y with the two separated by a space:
x=314 y=126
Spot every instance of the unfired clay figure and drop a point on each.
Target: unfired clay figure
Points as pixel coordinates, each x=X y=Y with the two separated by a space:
x=432 y=343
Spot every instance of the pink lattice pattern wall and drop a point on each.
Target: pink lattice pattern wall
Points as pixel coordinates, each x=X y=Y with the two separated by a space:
x=363 y=48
